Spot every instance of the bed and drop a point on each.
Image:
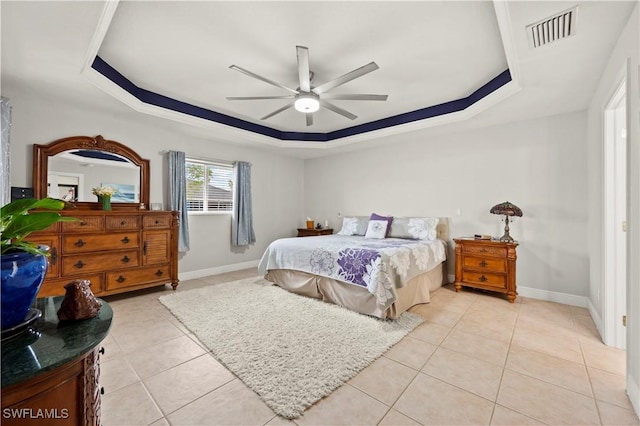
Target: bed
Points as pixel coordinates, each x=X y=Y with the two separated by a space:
x=381 y=277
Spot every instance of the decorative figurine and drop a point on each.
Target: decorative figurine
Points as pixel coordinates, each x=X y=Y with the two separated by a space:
x=79 y=302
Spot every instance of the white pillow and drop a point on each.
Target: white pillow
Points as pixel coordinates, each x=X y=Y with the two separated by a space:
x=376 y=229
x=354 y=225
x=417 y=228
x=349 y=226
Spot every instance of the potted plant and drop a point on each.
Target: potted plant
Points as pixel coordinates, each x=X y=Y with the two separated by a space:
x=24 y=264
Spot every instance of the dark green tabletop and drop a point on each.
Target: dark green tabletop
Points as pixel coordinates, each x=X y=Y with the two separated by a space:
x=53 y=343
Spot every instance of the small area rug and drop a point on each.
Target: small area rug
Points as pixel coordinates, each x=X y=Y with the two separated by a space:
x=291 y=350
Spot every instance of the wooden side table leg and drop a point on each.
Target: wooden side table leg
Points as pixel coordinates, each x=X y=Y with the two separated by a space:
x=512 y=296
x=457 y=287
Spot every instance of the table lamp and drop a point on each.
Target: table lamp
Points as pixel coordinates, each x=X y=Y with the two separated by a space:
x=507 y=209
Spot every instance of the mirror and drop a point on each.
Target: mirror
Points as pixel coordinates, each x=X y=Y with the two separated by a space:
x=70 y=168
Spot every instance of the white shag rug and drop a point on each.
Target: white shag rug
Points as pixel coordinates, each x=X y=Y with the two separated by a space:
x=291 y=350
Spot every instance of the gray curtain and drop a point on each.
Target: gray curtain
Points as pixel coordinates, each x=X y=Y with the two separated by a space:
x=5 y=154
x=242 y=224
x=178 y=195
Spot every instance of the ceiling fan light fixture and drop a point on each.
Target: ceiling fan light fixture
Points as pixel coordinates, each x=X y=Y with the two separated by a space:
x=306 y=104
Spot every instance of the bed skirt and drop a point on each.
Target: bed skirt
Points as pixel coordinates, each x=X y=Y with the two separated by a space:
x=356 y=298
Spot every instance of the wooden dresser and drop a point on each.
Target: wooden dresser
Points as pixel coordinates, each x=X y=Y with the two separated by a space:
x=118 y=251
x=304 y=232
x=486 y=264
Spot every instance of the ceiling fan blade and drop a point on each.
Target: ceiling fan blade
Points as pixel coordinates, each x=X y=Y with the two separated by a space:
x=252 y=98
x=309 y=117
x=339 y=110
x=278 y=111
x=303 y=69
x=261 y=78
x=365 y=69
x=355 y=97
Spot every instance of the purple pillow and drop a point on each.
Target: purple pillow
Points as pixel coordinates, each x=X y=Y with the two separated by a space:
x=389 y=219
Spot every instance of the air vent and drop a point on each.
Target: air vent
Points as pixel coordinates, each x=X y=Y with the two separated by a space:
x=553 y=28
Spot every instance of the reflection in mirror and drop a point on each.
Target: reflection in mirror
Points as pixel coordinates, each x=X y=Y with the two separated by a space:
x=71 y=167
x=73 y=174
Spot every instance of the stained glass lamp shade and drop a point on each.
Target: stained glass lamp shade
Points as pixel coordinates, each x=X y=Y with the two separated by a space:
x=507 y=209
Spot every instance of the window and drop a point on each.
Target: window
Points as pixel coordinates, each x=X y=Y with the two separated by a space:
x=209 y=186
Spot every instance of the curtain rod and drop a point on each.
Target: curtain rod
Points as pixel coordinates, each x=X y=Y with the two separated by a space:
x=209 y=160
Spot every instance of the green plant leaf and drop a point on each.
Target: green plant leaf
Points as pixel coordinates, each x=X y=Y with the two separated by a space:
x=25 y=224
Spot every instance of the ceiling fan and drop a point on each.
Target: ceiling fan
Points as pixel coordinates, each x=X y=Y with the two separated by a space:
x=307 y=98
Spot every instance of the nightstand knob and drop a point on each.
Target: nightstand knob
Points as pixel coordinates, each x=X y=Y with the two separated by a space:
x=483 y=278
x=483 y=250
x=483 y=263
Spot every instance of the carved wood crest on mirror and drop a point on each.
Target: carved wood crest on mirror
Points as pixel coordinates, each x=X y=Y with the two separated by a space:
x=70 y=168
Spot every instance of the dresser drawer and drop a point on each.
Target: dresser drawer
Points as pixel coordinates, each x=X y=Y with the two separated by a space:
x=484 y=264
x=152 y=221
x=86 y=263
x=485 y=279
x=55 y=287
x=126 y=278
x=99 y=242
x=484 y=250
x=116 y=223
x=84 y=224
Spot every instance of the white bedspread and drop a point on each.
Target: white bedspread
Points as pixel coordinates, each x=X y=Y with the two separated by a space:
x=380 y=265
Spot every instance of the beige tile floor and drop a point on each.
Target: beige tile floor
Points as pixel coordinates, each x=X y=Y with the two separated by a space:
x=476 y=360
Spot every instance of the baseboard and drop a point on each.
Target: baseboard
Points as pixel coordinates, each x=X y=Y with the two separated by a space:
x=633 y=392
x=595 y=316
x=192 y=275
x=553 y=296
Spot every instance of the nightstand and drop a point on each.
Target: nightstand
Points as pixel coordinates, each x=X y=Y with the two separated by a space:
x=304 y=232
x=486 y=264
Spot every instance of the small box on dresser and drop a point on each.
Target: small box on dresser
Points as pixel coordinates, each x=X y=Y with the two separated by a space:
x=486 y=264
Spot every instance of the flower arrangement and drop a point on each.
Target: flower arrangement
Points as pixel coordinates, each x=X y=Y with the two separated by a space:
x=102 y=191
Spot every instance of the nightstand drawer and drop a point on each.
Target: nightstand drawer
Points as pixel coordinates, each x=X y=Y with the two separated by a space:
x=485 y=279
x=485 y=250
x=484 y=264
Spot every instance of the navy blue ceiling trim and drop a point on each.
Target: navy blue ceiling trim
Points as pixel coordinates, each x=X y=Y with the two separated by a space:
x=161 y=101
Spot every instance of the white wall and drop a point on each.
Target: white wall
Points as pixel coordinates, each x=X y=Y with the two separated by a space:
x=625 y=56
x=277 y=180
x=539 y=165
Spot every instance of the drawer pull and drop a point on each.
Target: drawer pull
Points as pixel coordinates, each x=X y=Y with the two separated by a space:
x=101 y=351
x=159 y=272
x=157 y=222
x=121 y=279
x=123 y=223
x=125 y=259
x=79 y=243
x=483 y=263
x=125 y=240
x=482 y=278
x=483 y=250
x=144 y=248
x=54 y=256
x=79 y=264
x=101 y=390
x=83 y=223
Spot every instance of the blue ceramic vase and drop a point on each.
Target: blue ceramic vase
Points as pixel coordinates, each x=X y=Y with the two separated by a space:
x=22 y=276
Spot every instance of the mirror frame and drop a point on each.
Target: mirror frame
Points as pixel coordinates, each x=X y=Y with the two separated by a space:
x=41 y=154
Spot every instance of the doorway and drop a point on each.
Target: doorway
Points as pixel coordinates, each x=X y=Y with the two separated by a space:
x=615 y=218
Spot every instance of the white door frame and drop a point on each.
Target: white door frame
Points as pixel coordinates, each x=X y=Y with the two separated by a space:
x=614 y=213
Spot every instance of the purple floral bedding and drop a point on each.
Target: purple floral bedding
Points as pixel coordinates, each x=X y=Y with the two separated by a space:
x=380 y=266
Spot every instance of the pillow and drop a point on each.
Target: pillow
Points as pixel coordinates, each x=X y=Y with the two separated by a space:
x=354 y=225
x=415 y=228
x=376 y=229
x=389 y=219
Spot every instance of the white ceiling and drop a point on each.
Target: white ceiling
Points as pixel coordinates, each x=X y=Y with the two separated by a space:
x=429 y=52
